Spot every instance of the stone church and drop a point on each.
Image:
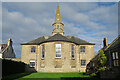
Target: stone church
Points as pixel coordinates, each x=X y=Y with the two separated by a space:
x=58 y=52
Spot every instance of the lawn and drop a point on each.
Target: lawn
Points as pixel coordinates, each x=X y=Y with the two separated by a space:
x=49 y=76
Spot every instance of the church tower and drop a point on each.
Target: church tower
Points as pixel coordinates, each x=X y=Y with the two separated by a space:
x=58 y=25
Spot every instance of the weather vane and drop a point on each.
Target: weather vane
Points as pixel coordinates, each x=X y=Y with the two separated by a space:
x=58 y=2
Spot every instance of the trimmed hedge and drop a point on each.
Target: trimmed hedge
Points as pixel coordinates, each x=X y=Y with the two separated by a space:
x=12 y=67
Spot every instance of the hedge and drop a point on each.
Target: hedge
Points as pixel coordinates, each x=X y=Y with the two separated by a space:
x=12 y=67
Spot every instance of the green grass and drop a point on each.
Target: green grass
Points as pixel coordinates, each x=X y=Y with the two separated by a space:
x=49 y=76
x=54 y=75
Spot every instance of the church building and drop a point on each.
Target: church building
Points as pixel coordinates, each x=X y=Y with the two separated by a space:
x=57 y=52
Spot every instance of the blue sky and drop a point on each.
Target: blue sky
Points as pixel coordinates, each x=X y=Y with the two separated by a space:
x=90 y=21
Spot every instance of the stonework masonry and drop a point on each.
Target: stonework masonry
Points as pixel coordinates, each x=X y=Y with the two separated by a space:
x=52 y=64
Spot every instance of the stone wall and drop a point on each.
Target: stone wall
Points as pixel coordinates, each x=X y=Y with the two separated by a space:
x=52 y=64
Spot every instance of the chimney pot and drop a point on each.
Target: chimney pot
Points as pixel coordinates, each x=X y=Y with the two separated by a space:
x=105 y=42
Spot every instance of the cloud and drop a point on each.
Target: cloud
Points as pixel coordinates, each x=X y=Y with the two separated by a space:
x=22 y=29
x=80 y=18
x=89 y=21
x=105 y=14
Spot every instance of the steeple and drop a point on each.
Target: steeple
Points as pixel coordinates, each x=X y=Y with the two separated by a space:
x=58 y=16
x=58 y=25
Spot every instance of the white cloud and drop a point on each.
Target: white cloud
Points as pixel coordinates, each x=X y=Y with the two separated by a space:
x=105 y=14
x=26 y=21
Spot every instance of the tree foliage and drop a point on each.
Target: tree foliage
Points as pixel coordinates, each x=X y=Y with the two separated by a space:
x=102 y=59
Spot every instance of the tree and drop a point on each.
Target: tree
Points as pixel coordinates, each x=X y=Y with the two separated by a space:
x=100 y=63
x=102 y=59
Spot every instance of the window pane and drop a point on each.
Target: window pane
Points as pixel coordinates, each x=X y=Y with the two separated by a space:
x=113 y=55
x=82 y=49
x=73 y=51
x=32 y=63
x=43 y=50
x=33 y=49
x=83 y=62
x=58 y=50
x=116 y=55
x=57 y=26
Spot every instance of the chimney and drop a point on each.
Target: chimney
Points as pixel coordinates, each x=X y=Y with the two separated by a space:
x=105 y=42
x=101 y=46
x=10 y=42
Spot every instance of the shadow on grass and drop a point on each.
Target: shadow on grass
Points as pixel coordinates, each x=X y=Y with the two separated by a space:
x=80 y=78
x=15 y=76
x=39 y=79
x=62 y=78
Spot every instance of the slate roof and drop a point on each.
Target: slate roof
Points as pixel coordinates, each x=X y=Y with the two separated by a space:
x=58 y=37
x=115 y=44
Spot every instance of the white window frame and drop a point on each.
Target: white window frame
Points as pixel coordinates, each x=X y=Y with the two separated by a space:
x=31 y=49
x=83 y=63
x=81 y=49
x=73 y=52
x=58 y=50
x=43 y=52
x=32 y=61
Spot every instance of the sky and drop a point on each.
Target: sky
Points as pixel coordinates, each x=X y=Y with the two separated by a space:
x=90 y=21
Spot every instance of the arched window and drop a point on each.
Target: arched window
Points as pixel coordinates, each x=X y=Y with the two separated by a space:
x=73 y=56
x=43 y=51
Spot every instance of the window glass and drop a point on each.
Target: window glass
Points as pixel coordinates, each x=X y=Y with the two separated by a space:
x=57 y=26
x=43 y=51
x=116 y=62
x=83 y=62
x=58 y=50
x=82 y=49
x=33 y=49
x=73 y=51
x=113 y=55
x=116 y=55
x=32 y=63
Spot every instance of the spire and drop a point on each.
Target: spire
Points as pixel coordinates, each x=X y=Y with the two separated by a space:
x=58 y=25
x=58 y=16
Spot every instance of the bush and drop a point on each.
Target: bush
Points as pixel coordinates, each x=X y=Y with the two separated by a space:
x=93 y=74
